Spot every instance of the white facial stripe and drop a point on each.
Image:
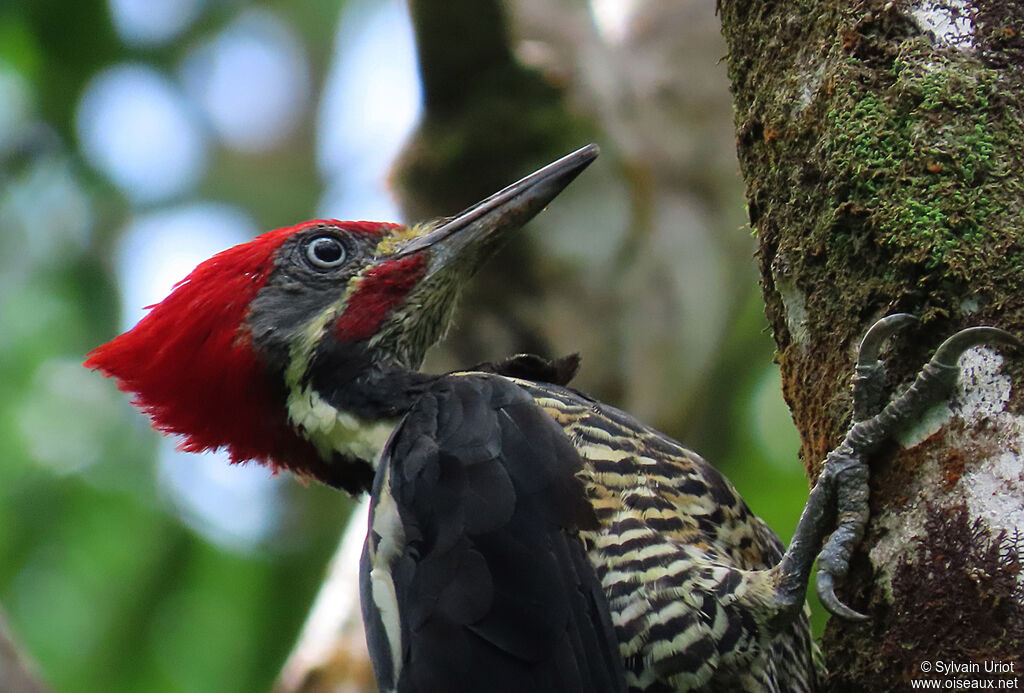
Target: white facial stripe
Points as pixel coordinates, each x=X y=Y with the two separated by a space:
x=387 y=524
x=330 y=430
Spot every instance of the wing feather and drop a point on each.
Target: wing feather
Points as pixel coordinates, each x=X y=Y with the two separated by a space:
x=492 y=584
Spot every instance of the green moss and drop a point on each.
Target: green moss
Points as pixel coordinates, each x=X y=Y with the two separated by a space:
x=883 y=173
x=920 y=159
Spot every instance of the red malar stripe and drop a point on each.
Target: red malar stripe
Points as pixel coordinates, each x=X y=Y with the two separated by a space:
x=379 y=292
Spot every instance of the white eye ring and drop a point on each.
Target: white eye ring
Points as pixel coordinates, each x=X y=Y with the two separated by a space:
x=326 y=252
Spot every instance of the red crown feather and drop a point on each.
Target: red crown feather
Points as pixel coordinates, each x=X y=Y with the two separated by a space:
x=192 y=368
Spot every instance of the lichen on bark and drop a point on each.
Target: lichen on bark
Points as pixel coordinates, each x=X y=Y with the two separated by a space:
x=882 y=147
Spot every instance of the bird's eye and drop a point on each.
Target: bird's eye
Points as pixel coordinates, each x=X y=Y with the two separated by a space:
x=325 y=252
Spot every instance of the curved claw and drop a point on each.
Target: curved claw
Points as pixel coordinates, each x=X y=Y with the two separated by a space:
x=827 y=594
x=869 y=379
x=874 y=338
x=953 y=348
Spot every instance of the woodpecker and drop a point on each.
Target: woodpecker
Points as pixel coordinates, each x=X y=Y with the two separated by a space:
x=522 y=536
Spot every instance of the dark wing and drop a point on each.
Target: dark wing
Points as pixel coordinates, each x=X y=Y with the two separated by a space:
x=532 y=367
x=474 y=577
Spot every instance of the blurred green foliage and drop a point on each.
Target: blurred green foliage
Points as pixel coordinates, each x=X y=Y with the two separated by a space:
x=103 y=582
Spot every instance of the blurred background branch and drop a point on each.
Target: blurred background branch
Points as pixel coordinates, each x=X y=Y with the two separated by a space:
x=17 y=673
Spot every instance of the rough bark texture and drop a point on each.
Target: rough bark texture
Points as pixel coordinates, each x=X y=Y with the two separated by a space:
x=882 y=147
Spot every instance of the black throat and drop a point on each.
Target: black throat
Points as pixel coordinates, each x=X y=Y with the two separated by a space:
x=349 y=378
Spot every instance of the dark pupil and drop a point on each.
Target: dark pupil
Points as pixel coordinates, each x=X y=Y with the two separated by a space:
x=327 y=250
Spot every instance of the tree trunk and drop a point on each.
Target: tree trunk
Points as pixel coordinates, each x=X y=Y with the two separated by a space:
x=882 y=147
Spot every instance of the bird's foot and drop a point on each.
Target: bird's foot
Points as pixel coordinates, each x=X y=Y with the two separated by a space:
x=845 y=469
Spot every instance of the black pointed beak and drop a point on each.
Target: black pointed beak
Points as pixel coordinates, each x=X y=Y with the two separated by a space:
x=479 y=229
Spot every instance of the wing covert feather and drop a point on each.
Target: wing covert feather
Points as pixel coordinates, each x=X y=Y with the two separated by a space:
x=493 y=586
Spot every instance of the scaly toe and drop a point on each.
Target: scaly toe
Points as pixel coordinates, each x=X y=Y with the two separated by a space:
x=869 y=395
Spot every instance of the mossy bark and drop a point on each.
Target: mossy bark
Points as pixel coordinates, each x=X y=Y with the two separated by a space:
x=882 y=146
